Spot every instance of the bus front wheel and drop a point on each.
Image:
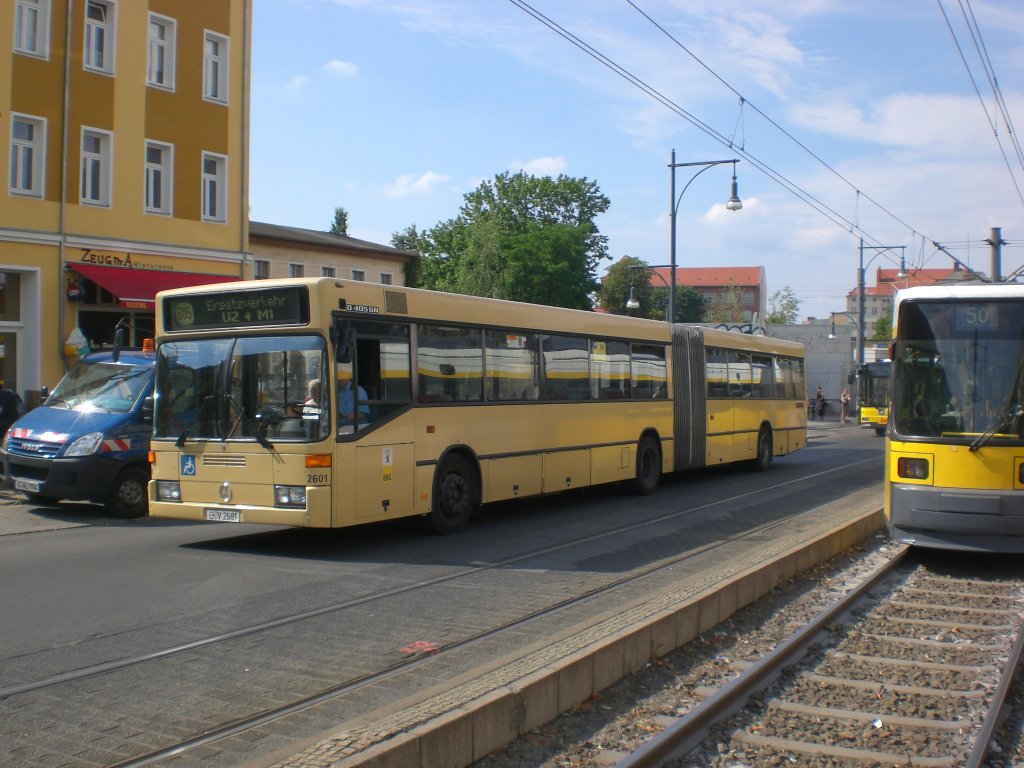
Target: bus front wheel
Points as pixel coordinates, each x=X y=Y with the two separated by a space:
x=763 y=458
x=648 y=466
x=456 y=496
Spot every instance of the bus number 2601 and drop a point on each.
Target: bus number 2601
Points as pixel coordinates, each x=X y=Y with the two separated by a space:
x=316 y=479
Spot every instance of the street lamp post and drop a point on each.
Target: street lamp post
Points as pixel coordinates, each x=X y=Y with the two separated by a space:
x=632 y=302
x=733 y=204
x=860 y=289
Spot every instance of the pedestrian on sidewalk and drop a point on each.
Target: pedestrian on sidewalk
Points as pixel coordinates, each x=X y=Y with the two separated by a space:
x=844 y=405
x=819 y=403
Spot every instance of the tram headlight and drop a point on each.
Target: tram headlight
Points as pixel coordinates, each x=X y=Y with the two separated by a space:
x=912 y=469
x=168 y=490
x=290 y=496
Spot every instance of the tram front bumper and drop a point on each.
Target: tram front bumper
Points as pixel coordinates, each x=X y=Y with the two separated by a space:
x=959 y=519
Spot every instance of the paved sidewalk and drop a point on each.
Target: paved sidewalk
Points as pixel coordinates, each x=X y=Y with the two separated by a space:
x=18 y=516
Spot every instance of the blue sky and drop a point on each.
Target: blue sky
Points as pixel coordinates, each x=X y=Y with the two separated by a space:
x=395 y=109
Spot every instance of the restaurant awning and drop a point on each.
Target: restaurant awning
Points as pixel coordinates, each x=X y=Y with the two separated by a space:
x=136 y=288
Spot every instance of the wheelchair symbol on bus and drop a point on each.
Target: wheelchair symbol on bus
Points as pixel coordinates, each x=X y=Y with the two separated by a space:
x=188 y=465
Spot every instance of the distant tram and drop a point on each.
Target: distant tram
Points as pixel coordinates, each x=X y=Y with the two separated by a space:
x=873 y=395
x=954 y=470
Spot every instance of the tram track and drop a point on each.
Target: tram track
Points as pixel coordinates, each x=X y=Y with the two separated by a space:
x=910 y=668
x=240 y=722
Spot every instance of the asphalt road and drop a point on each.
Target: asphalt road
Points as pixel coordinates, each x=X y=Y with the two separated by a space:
x=81 y=588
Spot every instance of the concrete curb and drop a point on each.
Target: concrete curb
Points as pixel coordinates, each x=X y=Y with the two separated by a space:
x=474 y=728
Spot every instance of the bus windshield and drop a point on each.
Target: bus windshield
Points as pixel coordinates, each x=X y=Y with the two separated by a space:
x=874 y=385
x=960 y=367
x=258 y=388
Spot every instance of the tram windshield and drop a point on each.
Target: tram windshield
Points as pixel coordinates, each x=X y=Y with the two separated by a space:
x=261 y=388
x=960 y=366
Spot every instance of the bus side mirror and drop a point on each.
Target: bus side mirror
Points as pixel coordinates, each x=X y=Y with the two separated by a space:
x=147 y=409
x=343 y=345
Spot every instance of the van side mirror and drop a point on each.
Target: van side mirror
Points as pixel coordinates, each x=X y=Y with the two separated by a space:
x=120 y=339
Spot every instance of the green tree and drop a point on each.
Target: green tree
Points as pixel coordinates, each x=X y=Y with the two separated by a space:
x=618 y=284
x=340 y=224
x=409 y=239
x=783 y=306
x=882 y=329
x=726 y=306
x=523 y=238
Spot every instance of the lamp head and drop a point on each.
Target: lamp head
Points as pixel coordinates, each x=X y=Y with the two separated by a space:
x=631 y=302
x=734 y=203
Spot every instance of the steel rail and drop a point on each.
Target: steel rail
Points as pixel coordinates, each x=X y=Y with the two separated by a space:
x=691 y=729
x=995 y=712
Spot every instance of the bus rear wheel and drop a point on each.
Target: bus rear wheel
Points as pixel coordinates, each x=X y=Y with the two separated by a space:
x=456 y=495
x=648 y=466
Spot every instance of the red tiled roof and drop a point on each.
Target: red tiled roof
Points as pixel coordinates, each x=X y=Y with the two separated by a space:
x=701 y=277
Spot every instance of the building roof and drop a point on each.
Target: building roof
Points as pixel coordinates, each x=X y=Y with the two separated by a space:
x=888 y=281
x=710 y=277
x=325 y=241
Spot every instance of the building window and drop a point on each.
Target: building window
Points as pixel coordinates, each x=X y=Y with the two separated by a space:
x=386 y=278
x=32 y=27
x=358 y=274
x=160 y=56
x=28 y=143
x=215 y=180
x=260 y=269
x=98 y=54
x=159 y=175
x=96 y=160
x=296 y=270
x=215 y=68
x=327 y=271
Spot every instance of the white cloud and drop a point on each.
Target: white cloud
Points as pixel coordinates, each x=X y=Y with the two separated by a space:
x=341 y=68
x=541 y=166
x=297 y=83
x=408 y=184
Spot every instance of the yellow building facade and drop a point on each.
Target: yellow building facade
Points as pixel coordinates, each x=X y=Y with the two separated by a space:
x=125 y=168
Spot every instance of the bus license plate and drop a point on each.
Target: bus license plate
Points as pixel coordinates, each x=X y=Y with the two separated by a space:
x=32 y=486
x=224 y=515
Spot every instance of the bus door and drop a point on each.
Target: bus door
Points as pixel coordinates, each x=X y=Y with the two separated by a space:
x=375 y=454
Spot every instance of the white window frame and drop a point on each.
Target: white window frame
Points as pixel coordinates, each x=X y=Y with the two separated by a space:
x=165 y=46
x=359 y=274
x=328 y=272
x=159 y=175
x=96 y=167
x=215 y=67
x=296 y=270
x=31 y=150
x=260 y=269
x=214 y=193
x=32 y=28
x=99 y=47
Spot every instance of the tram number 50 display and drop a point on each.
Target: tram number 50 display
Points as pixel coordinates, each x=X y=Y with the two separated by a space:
x=983 y=317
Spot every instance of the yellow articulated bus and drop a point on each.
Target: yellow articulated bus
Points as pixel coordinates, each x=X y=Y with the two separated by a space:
x=873 y=395
x=955 y=450
x=327 y=403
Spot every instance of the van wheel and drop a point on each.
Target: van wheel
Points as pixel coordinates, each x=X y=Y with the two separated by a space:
x=130 y=496
x=648 y=466
x=763 y=460
x=456 y=496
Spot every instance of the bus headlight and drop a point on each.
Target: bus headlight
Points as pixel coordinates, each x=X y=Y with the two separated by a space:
x=85 y=445
x=290 y=496
x=168 y=490
x=912 y=469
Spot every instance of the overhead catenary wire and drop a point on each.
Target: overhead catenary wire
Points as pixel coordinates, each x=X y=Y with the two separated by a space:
x=852 y=226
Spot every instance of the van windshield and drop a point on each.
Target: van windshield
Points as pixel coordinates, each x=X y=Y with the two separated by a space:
x=103 y=387
x=262 y=388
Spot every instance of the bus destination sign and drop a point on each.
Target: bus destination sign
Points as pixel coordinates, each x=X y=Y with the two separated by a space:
x=237 y=309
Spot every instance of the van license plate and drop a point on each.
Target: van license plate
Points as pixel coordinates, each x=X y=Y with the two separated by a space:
x=32 y=486
x=224 y=515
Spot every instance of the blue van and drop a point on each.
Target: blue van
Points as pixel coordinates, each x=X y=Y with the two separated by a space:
x=89 y=440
